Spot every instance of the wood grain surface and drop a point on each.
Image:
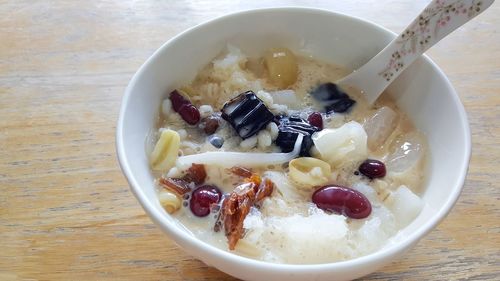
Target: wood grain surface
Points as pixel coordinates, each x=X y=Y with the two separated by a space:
x=66 y=212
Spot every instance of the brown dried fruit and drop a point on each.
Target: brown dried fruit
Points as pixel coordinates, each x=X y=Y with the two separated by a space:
x=235 y=208
x=177 y=186
x=265 y=189
x=196 y=173
x=255 y=179
x=237 y=205
x=211 y=124
x=240 y=171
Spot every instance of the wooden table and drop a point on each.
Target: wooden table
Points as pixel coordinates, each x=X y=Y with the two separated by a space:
x=66 y=212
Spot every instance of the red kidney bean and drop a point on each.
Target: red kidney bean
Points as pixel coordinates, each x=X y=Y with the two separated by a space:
x=178 y=100
x=185 y=108
x=342 y=200
x=316 y=120
x=372 y=168
x=190 y=114
x=203 y=199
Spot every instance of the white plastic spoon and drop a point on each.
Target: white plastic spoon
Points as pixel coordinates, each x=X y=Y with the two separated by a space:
x=437 y=20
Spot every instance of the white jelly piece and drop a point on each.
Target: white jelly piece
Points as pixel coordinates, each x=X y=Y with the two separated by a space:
x=342 y=145
x=380 y=126
x=405 y=153
x=405 y=205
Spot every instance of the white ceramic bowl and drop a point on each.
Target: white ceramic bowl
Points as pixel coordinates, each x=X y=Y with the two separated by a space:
x=422 y=91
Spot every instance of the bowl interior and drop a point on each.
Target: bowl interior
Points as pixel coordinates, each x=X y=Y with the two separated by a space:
x=422 y=91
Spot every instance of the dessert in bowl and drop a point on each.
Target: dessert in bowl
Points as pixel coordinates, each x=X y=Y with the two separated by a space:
x=183 y=75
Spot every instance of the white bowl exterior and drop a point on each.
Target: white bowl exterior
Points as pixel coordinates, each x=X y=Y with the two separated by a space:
x=422 y=91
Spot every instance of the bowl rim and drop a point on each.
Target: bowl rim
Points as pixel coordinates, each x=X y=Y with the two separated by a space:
x=180 y=237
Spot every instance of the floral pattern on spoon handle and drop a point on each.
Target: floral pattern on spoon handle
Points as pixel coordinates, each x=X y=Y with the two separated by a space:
x=437 y=20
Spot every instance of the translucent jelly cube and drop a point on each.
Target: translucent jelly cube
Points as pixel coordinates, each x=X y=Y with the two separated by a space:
x=405 y=152
x=380 y=126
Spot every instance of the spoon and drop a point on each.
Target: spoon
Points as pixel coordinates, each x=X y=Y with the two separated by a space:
x=437 y=20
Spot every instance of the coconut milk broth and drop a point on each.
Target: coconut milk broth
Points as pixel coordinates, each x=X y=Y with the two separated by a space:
x=311 y=73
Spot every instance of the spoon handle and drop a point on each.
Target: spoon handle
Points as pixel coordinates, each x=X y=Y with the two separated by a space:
x=436 y=21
